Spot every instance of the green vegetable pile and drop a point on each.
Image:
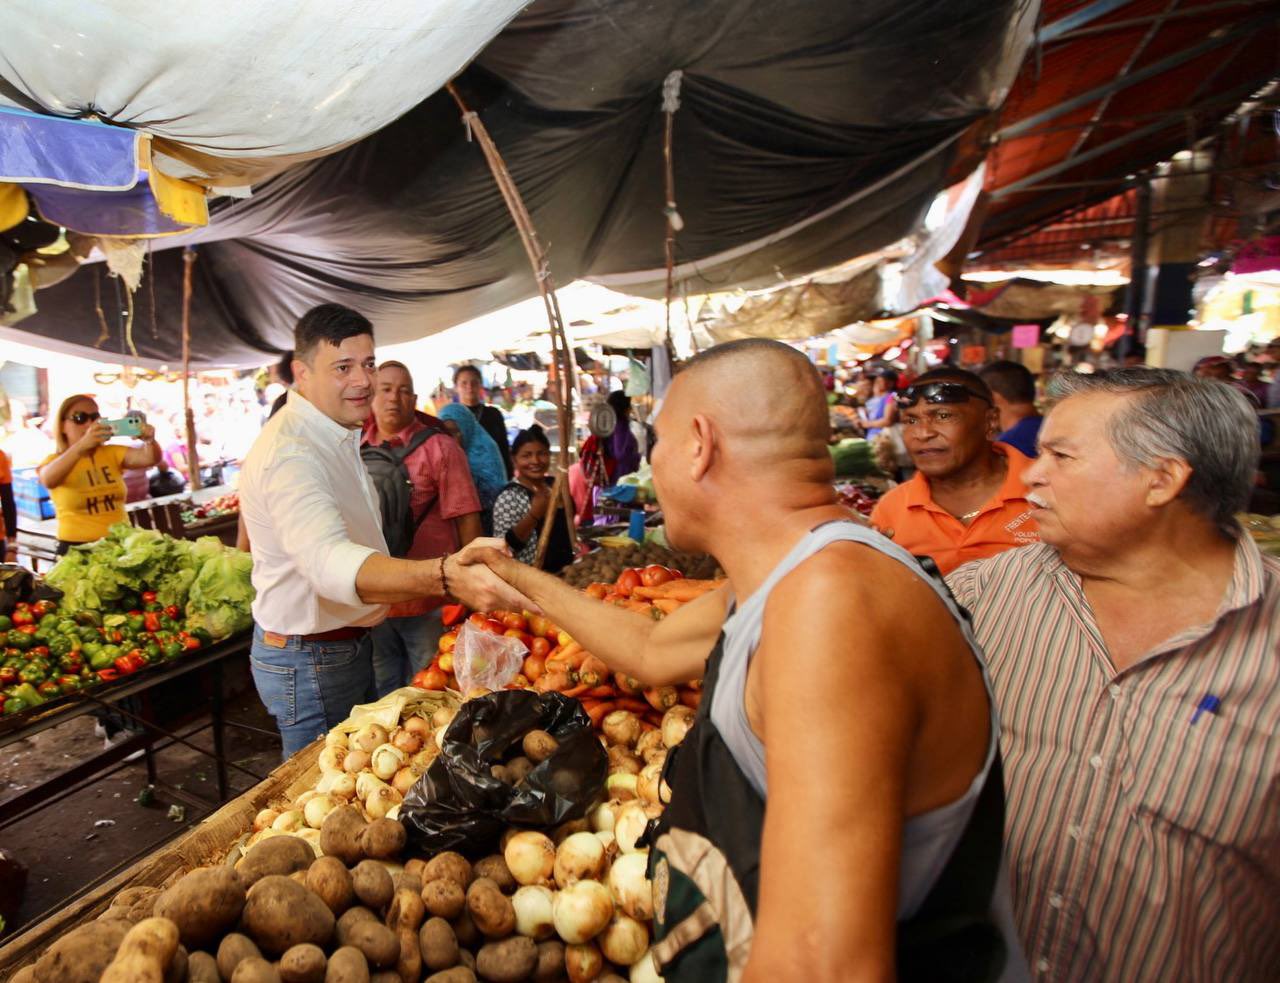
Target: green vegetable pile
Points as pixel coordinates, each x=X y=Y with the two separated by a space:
x=207 y=580
x=853 y=458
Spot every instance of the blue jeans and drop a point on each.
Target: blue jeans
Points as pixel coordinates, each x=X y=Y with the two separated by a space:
x=402 y=646
x=310 y=687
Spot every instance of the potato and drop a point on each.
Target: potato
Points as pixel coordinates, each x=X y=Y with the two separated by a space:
x=495 y=868
x=278 y=855
x=348 y=921
x=464 y=927
x=380 y=945
x=255 y=969
x=144 y=954
x=452 y=865
x=372 y=884
x=416 y=866
x=303 y=963
x=444 y=897
x=438 y=944
x=387 y=976
x=205 y=905
x=507 y=962
x=202 y=968
x=383 y=839
x=624 y=761
x=459 y=974
x=347 y=965
x=550 y=965
x=342 y=835
x=232 y=950
x=280 y=914
x=490 y=909
x=518 y=769
x=329 y=879
x=407 y=910
x=538 y=746
x=408 y=882
x=465 y=958
x=179 y=966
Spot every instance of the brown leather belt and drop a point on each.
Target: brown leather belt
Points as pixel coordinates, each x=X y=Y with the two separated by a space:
x=337 y=635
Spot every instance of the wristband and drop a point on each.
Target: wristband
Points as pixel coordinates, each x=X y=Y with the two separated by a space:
x=444 y=579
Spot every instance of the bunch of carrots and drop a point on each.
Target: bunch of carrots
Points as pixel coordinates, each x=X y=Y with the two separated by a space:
x=556 y=663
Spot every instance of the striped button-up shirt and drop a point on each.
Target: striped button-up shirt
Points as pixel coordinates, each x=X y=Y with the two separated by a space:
x=1143 y=822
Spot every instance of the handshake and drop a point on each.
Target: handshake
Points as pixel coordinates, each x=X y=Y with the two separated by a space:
x=484 y=576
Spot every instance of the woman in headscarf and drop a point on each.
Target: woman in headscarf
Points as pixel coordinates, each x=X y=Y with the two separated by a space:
x=621 y=444
x=487 y=470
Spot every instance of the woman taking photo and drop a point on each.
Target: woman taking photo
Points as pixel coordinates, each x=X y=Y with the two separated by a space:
x=85 y=477
x=522 y=505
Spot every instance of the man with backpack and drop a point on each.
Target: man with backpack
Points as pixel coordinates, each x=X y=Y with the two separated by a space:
x=323 y=574
x=429 y=508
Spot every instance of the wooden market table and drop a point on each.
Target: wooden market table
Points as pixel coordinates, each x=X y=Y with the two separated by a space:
x=209 y=842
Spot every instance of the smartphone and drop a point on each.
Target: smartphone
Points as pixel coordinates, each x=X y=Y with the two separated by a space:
x=127 y=426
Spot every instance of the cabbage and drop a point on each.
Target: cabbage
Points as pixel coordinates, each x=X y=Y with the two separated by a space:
x=222 y=594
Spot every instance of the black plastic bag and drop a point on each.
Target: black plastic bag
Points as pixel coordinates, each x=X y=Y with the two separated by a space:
x=458 y=805
x=15 y=586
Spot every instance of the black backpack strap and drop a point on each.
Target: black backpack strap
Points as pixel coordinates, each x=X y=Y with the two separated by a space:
x=401 y=455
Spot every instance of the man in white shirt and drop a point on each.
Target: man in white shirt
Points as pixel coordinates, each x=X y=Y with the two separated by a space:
x=320 y=563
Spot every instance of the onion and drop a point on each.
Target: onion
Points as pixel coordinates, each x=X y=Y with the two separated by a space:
x=583 y=963
x=368 y=737
x=380 y=801
x=356 y=762
x=508 y=834
x=417 y=725
x=566 y=830
x=647 y=782
x=439 y=739
x=443 y=717
x=622 y=727
x=624 y=761
x=533 y=904
x=287 y=822
x=407 y=741
x=332 y=757
x=264 y=819
x=581 y=911
x=335 y=738
x=317 y=808
x=645 y=970
x=393 y=812
x=630 y=826
x=621 y=787
x=650 y=743
x=305 y=797
x=624 y=940
x=580 y=857
x=421 y=761
x=603 y=816
x=367 y=783
x=387 y=759
x=630 y=887
x=312 y=836
x=610 y=843
x=675 y=725
x=403 y=780
x=531 y=857
x=343 y=787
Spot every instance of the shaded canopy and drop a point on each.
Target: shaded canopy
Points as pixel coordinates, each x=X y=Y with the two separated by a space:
x=808 y=133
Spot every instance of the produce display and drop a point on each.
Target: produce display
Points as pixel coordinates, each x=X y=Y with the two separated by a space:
x=340 y=897
x=860 y=498
x=223 y=505
x=207 y=582
x=855 y=457
x=605 y=565
x=1265 y=531
x=556 y=663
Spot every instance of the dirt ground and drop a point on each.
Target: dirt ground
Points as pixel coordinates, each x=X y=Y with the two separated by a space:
x=86 y=837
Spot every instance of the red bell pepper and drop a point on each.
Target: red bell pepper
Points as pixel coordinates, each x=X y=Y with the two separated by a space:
x=151 y=621
x=129 y=662
x=452 y=614
x=106 y=675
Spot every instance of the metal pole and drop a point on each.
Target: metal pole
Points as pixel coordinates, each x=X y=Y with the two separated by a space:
x=193 y=457
x=1138 y=259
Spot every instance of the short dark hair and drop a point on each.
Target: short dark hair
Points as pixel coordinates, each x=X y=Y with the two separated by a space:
x=331 y=323
x=620 y=402
x=889 y=375
x=284 y=368
x=534 y=435
x=947 y=373
x=467 y=368
x=1011 y=380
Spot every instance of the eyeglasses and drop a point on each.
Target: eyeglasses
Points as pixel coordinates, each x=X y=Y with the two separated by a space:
x=938 y=392
x=80 y=417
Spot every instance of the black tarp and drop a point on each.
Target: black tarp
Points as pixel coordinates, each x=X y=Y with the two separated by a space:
x=810 y=131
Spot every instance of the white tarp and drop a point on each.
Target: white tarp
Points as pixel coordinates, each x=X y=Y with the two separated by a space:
x=239 y=79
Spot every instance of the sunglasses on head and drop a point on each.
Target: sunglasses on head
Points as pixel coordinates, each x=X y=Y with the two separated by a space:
x=939 y=392
x=80 y=417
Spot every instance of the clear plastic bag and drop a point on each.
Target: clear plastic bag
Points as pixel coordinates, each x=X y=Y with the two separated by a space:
x=483 y=659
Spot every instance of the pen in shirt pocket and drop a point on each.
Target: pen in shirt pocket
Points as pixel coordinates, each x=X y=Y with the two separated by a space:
x=1208 y=704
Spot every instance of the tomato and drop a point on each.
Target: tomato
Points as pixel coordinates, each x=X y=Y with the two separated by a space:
x=564 y=638
x=42 y=608
x=513 y=620
x=431 y=678
x=534 y=666
x=478 y=619
x=445 y=662
x=447 y=642
x=525 y=638
x=540 y=646
x=494 y=626
x=151 y=621
x=172 y=611
x=148 y=597
x=22 y=617
x=597 y=591
x=654 y=574
x=628 y=581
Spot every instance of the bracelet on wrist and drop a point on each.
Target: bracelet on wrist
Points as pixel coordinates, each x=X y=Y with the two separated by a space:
x=444 y=579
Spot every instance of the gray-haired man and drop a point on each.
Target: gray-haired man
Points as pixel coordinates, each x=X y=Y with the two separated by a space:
x=1134 y=655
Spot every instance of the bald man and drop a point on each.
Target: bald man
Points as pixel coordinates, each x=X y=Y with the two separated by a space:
x=841 y=688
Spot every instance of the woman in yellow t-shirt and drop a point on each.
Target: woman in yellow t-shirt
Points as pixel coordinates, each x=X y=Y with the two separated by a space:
x=85 y=477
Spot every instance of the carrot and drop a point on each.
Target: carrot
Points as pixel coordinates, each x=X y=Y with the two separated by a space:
x=627 y=685
x=576 y=691
x=638 y=707
x=593 y=672
x=691 y=697
x=687 y=590
x=668 y=605
x=640 y=607
x=662 y=698
x=563 y=663
x=602 y=693
x=649 y=593
x=654 y=718
x=566 y=651
x=551 y=681
x=599 y=711
x=646 y=725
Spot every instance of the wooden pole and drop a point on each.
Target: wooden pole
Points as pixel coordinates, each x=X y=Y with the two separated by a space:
x=193 y=458
x=562 y=354
x=670 y=103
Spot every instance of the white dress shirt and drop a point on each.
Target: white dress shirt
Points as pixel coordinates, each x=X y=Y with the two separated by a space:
x=313 y=518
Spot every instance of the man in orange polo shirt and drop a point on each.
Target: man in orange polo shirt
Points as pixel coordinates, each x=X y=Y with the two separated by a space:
x=967 y=500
